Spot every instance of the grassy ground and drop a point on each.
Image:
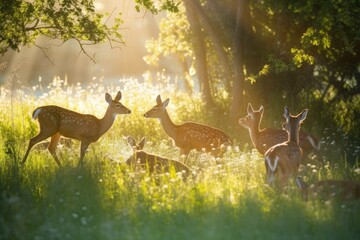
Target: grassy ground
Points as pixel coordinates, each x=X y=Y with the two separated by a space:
x=106 y=200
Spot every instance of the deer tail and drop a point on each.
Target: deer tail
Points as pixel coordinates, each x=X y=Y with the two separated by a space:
x=36 y=113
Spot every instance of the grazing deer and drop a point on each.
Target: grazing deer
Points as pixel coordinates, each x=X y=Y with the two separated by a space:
x=189 y=135
x=263 y=139
x=153 y=162
x=342 y=190
x=55 y=122
x=284 y=158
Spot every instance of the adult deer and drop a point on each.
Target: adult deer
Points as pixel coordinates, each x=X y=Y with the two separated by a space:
x=263 y=139
x=189 y=135
x=56 y=121
x=153 y=162
x=342 y=190
x=284 y=158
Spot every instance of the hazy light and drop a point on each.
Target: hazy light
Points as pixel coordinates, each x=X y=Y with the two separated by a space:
x=98 y=5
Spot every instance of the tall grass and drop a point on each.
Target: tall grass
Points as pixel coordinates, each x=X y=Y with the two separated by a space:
x=224 y=199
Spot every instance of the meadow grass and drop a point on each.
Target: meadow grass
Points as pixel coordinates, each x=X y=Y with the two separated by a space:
x=225 y=198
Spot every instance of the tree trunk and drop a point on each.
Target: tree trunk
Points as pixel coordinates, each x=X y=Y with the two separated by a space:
x=212 y=30
x=200 y=55
x=188 y=84
x=237 y=105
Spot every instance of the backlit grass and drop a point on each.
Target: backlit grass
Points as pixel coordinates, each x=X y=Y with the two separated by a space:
x=224 y=198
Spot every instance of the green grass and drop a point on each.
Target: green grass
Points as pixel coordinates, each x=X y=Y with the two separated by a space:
x=106 y=200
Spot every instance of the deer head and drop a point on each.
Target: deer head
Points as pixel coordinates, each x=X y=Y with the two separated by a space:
x=253 y=119
x=136 y=147
x=159 y=109
x=293 y=123
x=115 y=106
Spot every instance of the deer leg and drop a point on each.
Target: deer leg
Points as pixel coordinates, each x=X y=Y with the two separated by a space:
x=284 y=180
x=184 y=153
x=270 y=177
x=33 y=141
x=83 y=147
x=53 y=145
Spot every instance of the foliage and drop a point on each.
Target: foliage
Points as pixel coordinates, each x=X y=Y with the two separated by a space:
x=25 y=21
x=156 y=6
x=174 y=38
x=226 y=198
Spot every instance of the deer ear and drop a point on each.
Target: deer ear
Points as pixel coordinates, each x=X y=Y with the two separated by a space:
x=108 y=98
x=142 y=143
x=250 y=108
x=158 y=99
x=261 y=110
x=303 y=115
x=131 y=141
x=286 y=112
x=118 y=96
x=165 y=103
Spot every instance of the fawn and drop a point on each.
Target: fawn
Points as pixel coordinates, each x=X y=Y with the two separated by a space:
x=343 y=190
x=284 y=158
x=56 y=121
x=189 y=135
x=154 y=163
x=263 y=139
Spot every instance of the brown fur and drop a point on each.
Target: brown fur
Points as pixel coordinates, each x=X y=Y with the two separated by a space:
x=190 y=135
x=151 y=162
x=56 y=121
x=263 y=139
x=283 y=160
x=341 y=190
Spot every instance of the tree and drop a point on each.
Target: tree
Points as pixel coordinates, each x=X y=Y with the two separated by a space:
x=175 y=31
x=23 y=22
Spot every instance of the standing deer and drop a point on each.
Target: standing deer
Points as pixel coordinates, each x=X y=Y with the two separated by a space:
x=263 y=139
x=284 y=158
x=152 y=162
x=189 y=135
x=343 y=190
x=55 y=122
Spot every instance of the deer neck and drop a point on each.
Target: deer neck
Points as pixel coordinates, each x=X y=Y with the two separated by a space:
x=255 y=132
x=293 y=135
x=106 y=122
x=169 y=127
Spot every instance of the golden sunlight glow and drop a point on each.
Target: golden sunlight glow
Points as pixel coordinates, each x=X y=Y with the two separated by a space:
x=98 y=5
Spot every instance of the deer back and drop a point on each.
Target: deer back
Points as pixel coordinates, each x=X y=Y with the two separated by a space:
x=282 y=160
x=71 y=124
x=200 y=137
x=156 y=163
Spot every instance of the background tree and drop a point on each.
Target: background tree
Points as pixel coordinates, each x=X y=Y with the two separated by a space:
x=24 y=21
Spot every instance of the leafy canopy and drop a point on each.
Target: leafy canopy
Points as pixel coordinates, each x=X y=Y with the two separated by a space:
x=23 y=21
